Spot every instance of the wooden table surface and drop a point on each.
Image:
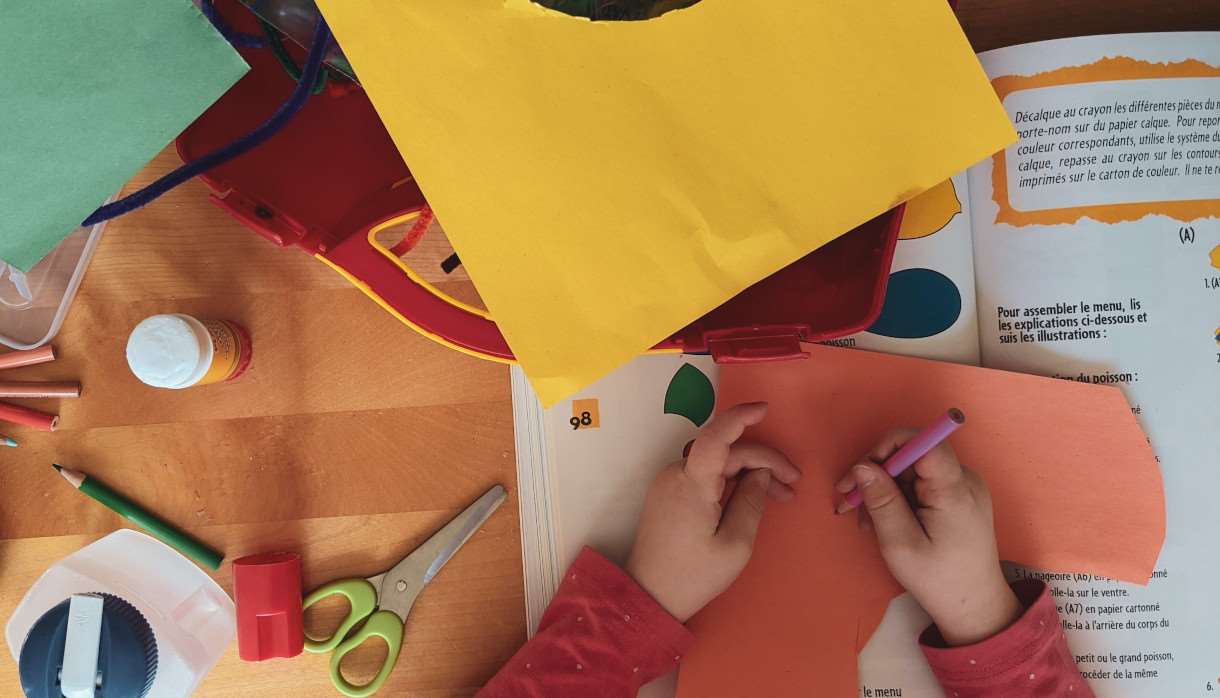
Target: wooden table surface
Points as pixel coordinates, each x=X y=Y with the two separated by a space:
x=350 y=440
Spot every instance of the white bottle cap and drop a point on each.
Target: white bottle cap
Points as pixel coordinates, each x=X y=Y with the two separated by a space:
x=170 y=351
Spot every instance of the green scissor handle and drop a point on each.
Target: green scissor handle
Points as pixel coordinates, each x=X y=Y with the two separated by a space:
x=359 y=593
x=362 y=596
x=384 y=625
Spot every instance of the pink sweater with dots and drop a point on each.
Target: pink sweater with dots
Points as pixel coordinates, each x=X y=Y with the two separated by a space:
x=604 y=636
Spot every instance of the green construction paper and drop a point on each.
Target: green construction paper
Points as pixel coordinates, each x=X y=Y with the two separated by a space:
x=89 y=93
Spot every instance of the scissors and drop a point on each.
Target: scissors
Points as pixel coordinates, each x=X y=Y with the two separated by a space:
x=384 y=601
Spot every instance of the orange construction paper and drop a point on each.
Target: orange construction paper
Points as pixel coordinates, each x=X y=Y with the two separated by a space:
x=1075 y=484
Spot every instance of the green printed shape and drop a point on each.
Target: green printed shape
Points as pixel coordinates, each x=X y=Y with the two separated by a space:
x=691 y=395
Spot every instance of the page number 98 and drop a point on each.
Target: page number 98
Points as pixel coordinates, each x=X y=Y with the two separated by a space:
x=585 y=415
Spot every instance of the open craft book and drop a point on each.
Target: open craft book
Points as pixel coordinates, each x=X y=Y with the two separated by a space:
x=1089 y=251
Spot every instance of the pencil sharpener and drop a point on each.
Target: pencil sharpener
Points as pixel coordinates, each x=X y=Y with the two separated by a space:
x=191 y=619
x=90 y=646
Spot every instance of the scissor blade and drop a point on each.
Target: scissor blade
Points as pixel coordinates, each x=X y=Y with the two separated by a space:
x=446 y=542
x=418 y=568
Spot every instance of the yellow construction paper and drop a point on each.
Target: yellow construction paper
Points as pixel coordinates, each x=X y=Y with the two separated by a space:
x=606 y=183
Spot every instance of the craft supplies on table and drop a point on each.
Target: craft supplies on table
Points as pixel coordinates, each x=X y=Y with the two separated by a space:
x=26 y=416
x=158 y=528
x=63 y=389
x=27 y=357
x=179 y=351
x=191 y=617
x=18 y=414
x=383 y=601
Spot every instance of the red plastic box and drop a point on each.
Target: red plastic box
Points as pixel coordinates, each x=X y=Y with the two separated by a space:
x=332 y=179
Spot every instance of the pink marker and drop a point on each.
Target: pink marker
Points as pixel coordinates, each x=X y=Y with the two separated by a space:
x=911 y=451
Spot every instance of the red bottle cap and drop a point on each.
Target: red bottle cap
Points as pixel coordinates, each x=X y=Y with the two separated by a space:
x=267 y=591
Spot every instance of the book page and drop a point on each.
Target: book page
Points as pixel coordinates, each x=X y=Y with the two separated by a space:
x=930 y=302
x=1113 y=277
x=609 y=441
x=1097 y=258
x=604 y=462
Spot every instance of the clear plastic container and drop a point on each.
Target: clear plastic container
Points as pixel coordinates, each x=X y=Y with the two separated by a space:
x=192 y=618
x=33 y=305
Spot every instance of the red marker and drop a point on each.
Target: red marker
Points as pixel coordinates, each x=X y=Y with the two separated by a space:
x=30 y=418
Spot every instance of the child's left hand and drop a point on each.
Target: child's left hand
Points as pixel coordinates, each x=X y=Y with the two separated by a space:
x=688 y=550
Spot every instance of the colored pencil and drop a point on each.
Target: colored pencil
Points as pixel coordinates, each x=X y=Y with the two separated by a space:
x=31 y=357
x=30 y=418
x=7 y=441
x=918 y=447
x=158 y=528
x=27 y=390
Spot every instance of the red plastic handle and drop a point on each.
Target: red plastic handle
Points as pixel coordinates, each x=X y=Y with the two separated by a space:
x=415 y=303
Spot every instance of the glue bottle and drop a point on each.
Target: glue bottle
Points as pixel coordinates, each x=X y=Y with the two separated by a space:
x=179 y=351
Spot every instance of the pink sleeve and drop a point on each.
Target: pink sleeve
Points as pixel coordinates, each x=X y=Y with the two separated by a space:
x=1029 y=659
x=602 y=636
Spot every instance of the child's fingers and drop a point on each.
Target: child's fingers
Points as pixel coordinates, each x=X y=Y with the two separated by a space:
x=747 y=455
x=744 y=510
x=779 y=491
x=776 y=490
x=865 y=521
x=943 y=494
x=892 y=518
x=892 y=441
x=709 y=454
x=940 y=467
x=728 y=426
x=906 y=484
x=847 y=483
x=972 y=490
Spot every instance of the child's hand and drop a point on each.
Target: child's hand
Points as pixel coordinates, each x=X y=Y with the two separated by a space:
x=943 y=551
x=687 y=550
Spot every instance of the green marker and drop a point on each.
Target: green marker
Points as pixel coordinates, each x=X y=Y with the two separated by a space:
x=7 y=441
x=131 y=511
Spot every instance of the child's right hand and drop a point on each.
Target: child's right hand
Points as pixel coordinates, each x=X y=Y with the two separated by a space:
x=940 y=545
